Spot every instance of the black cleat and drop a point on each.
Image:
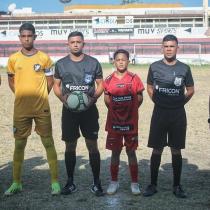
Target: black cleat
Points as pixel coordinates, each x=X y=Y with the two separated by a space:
x=179 y=192
x=150 y=190
x=69 y=188
x=97 y=189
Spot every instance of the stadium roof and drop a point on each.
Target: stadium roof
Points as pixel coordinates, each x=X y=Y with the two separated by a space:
x=125 y=6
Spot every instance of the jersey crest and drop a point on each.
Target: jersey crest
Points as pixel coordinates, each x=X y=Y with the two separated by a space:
x=37 y=67
x=178 y=81
x=88 y=78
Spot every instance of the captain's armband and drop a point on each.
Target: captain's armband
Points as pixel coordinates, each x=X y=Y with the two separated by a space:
x=49 y=71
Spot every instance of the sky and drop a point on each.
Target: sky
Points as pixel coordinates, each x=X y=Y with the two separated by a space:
x=57 y=6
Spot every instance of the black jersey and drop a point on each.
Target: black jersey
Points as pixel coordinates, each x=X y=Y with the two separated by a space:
x=79 y=75
x=169 y=82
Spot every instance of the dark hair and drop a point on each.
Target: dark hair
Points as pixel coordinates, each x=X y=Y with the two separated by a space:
x=170 y=37
x=121 y=51
x=28 y=27
x=76 y=33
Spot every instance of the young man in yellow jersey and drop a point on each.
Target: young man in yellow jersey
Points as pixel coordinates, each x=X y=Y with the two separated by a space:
x=30 y=78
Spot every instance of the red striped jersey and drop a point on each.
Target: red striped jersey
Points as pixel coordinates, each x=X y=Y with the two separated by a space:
x=122 y=114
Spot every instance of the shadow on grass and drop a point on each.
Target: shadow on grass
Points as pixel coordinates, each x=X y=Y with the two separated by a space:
x=36 y=187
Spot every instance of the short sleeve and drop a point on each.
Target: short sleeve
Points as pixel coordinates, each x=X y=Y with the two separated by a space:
x=56 y=72
x=49 y=67
x=99 y=73
x=10 y=66
x=139 y=84
x=150 y=76
x=105 y=88
x=189 y=79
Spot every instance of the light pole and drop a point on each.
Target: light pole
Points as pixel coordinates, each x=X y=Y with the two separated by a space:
x=205 y=13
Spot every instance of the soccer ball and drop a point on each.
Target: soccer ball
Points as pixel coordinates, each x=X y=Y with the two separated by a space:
x=78 y=101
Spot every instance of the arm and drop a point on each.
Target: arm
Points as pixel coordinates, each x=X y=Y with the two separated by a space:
x=58 y=92
x=140 y=98
x=99 y=88
x=150 y=90
x=11 y=81
x=106 y=100
x=189 y=93
x=50 y=82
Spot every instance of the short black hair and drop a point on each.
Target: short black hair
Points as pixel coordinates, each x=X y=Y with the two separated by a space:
x=76 y=33
x=170 y=37
x=27 y=26
x=121 y=51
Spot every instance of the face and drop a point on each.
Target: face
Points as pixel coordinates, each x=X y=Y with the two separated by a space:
x=121 y=62
x=76 y=45
x=27 y=39
x=169 y=50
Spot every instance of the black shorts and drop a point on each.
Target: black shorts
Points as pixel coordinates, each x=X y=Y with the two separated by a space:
x=168 y=128
x=86 y=121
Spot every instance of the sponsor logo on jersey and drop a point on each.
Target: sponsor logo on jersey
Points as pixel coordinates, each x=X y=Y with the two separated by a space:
x=77 y=87
x=88 y=78
x=178 y=81
x=169 y=91
x=120 y=85
x=122 y=127
x=122 y=98
x=37 y=67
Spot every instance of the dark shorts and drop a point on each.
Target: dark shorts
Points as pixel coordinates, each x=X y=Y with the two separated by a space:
x=86 y=122
x=168 y=128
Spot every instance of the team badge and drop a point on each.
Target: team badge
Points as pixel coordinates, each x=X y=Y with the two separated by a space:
x=178 y=81
x=88 y=78
x=37 y=67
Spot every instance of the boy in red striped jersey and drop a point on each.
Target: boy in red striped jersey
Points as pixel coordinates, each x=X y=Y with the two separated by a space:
x=123 y=96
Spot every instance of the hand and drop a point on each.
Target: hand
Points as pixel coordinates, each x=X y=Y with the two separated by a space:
x=63 y=99
x=92 y=100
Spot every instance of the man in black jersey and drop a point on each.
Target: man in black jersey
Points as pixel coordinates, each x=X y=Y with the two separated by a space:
x=170 y=86
x=78 y=71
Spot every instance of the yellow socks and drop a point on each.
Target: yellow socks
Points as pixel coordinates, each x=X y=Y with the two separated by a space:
x=51 y=157
x=18 y=158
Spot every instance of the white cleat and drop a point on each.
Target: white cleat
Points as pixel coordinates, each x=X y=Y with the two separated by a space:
x=135 y=189
x=112 y=188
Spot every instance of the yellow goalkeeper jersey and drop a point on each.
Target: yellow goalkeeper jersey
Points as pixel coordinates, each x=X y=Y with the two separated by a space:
x=31 y=94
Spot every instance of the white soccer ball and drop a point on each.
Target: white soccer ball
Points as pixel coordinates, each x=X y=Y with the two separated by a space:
x=78 y=101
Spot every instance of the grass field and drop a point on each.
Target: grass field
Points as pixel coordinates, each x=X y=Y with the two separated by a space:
x=36 y=181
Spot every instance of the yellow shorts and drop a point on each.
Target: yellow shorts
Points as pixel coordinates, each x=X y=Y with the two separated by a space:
x=23 y=125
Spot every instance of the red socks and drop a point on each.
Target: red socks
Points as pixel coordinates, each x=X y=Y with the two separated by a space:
x=114 y=169
x=134 y=172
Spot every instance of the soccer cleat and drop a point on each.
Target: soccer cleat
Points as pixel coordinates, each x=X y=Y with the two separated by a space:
x=56 y=189
x=112 y=188
x=97 y=189
x=69 y=188
x=179 y=192
x=150 y=190
x=13 y=189
x=135 y=189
